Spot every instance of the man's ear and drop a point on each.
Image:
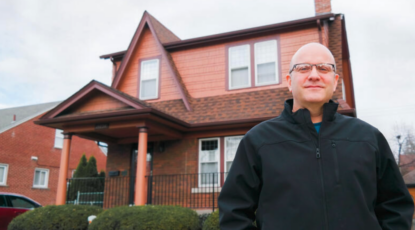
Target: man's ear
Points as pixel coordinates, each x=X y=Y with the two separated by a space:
x=336 y=79
x=288 y=78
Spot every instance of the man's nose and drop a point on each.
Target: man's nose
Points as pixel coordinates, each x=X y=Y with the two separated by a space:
x=314 y=74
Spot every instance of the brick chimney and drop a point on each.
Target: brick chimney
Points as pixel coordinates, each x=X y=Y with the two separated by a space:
x=322 y=6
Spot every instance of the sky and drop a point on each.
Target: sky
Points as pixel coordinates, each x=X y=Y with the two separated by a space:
x=50 y=49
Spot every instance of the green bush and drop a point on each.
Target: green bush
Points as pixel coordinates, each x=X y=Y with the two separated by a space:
x=147 y=217
x=212 y=221
x=62 y=217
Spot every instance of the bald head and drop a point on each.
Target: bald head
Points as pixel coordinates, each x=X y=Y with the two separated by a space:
x=316 y=52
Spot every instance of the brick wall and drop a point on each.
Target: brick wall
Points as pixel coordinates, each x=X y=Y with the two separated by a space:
x=335 y=45
x=18 y=144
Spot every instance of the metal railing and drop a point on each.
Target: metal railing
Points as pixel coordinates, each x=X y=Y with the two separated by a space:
x=196 y=191
x=104 y=192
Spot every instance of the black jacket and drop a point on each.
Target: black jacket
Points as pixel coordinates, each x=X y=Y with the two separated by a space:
x=345 y=177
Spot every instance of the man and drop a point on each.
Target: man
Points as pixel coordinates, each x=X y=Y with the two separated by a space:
x=312 y=168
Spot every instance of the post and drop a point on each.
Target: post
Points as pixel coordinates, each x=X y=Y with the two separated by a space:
x=140 y=197
x=63 y=169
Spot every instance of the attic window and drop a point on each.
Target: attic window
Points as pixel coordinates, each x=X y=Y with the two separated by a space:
x=149 y=79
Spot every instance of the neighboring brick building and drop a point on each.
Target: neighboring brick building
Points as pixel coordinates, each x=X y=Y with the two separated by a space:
x=187 y=103
x=30 y=154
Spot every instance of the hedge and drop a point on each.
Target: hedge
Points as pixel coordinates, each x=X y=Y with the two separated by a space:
x=147 y=217
x=212 y=222
x=62 y=217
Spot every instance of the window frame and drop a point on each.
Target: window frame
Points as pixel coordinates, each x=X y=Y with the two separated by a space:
x=158 y=79
x=56 y=136
x=6 y=171
x=200 y=163
x=276 y=64
x=46 y=178
x=249 y=68
x=253 y=69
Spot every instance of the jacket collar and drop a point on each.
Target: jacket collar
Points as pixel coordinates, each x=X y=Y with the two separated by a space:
x=302 y=116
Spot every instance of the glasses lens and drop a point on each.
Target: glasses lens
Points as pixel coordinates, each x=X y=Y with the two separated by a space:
x=325 y=68
x=302 y=68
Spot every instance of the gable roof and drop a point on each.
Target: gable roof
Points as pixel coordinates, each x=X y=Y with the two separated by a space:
x=23 y=114
x=172 y=45
x=90 y=88
x=160 y=33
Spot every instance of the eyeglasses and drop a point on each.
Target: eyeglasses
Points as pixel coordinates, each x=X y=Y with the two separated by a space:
x=306 y=68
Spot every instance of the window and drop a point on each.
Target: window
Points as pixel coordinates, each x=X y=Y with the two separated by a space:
x=231 y=145
x=20 y=202
x=209 y=162
x=265 y=69
x=3 y=173
x=149 y=79
x=58 y=138
x=41 y=178
x=266 y=63
x=239 y=67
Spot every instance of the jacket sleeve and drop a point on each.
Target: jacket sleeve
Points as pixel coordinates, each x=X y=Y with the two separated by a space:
x=238 y=199
x=394 y=205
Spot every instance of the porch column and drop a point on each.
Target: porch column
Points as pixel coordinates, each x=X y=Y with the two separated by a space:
x=140 y=197
x=63 y=169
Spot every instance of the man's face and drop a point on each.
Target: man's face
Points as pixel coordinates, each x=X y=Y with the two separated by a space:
x=313 y=86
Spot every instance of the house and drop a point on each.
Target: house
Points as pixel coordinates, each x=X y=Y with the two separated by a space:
x=30 y=154
x=184 y=105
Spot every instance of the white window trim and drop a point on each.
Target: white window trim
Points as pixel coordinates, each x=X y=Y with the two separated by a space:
x=276 y=65
x=230 y=69
x=157 y=79
x=56 y=133
x=225 y=161
x=6 y=169
x=46 y=178
x=200 y=163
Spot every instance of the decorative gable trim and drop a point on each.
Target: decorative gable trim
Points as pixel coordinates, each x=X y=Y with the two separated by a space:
x=147 y=19
x=85 y=91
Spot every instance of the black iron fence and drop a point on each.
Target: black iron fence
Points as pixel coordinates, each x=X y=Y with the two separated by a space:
x=196 y=191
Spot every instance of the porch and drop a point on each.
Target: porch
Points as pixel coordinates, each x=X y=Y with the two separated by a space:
x=195 y=191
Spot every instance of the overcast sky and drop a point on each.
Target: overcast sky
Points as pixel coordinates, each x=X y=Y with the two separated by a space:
x=50 y=49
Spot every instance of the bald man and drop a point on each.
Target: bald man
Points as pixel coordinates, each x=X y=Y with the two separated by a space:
x=313 y=168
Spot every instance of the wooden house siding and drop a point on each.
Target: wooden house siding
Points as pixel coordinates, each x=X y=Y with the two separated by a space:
x=97 y=102
x=204 y=70
x=147 y=48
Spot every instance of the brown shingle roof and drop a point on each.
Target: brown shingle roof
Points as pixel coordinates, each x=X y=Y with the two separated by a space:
x=164 y=34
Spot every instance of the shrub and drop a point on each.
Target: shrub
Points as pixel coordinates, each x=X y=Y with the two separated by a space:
x=147 y=217
x=202 y=219
x=212 y=222
x=62 y=217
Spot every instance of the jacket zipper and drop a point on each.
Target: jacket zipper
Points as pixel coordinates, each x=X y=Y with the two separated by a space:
x=318 y=156
x=336 y=164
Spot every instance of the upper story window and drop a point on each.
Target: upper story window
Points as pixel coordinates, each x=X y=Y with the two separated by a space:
x=239 y=67
x=3 y=173
x=58 y=138
x=266 y=63
x=149 y=79
x=262 y=70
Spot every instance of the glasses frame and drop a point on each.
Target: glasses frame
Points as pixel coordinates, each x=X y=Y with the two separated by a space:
x=333 y=65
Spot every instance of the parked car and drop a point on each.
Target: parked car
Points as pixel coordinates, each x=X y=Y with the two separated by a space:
x=12 y=205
